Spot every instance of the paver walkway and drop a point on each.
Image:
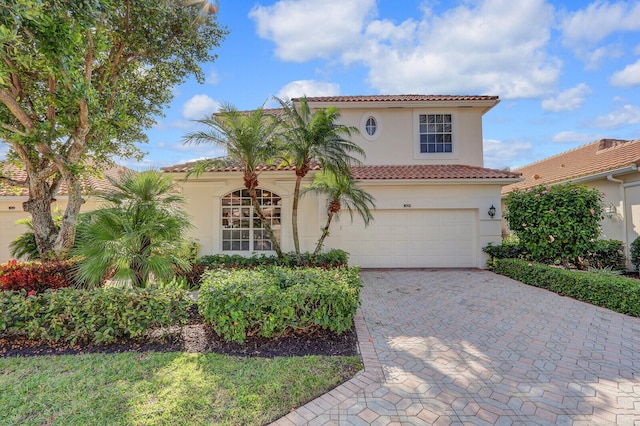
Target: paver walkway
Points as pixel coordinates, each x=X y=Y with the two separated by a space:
x=472 y=347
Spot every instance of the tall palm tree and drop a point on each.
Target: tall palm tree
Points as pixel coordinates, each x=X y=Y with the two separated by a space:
x=315 y=136
x=137 y=233
x=342 y=193
x=248 y=138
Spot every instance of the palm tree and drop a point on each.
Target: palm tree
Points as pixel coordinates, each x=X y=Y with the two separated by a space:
x=249 y=138
x=342 y=193
x=315 y=136
x=137 y=234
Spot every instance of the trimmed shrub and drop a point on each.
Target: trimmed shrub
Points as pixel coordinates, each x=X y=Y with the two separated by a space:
x=332 y=259
x=504 y=251
x=557 y=222
x=36 y=276
x=617 y=293
x=634 y=250
x=275 y=300
x=607 y=254
x=97 y=316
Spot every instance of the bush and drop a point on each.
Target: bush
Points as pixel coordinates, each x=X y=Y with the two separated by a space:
x=634 y=250
x=36 y=276
x=97 y=316
x=504 y=251
x=607 y=254
x=332 y=259
x=557 y=222
x=617 y=293
x=275 y=300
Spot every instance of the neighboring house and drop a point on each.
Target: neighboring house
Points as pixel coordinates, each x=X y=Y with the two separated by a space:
x=611 y=166
x=12 y=197
x=423 y=165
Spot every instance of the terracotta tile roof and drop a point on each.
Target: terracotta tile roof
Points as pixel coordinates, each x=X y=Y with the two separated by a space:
x=90 y=185
x=594 y=158
x=456 y=171
x=399 y=98
x=230 y=166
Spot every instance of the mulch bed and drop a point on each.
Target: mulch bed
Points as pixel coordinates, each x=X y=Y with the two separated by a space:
x=198 y=337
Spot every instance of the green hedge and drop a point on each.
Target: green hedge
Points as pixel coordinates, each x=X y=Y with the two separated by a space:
x=271 y=301
x=331 y=259
x=617 y=293
x=96 y=316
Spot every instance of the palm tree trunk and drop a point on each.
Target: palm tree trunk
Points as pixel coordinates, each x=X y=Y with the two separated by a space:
x=325 y=232
x=266 y=223
x=294 y=217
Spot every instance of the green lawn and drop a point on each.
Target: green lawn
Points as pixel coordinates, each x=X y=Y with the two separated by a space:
x=162 y=388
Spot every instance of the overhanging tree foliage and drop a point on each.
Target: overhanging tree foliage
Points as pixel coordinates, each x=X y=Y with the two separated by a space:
x=83 y=79
x=557 y=222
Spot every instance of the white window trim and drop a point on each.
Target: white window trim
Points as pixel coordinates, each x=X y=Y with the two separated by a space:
x=455 y=149
x=363 y=125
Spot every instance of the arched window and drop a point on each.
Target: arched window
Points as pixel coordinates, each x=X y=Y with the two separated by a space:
x=241 y=226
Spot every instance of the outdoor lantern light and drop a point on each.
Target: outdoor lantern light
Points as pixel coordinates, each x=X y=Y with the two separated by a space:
x=492 y=211
x=610 y=211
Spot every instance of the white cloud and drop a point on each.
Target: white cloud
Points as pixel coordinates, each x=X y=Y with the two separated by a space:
x=574 y=137
x=487 y=47
x=308 y=88
x=569 y=100
x=599 y=20
x=629 y=76
x=309 y=29
x=501 y=154
x=213 y=78
x=198 y=107
x=622 y=116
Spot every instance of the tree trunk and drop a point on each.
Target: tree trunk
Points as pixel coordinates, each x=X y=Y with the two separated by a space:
x=67 y=234
x=39 y=206
x=294 y=217
x=325 y=233
x=267 y=225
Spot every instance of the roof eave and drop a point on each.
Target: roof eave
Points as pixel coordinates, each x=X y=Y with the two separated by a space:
x=441 y=181
x=485 y=104
x=588 y=178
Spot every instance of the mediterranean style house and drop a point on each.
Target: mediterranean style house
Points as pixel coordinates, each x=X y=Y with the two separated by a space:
x=423 y=165
x=12 y=197
x=611 y=166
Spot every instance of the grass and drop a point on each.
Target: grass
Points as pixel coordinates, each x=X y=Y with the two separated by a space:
x=162 y=388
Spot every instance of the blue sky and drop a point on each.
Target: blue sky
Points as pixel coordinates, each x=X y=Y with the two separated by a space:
x=567 y=72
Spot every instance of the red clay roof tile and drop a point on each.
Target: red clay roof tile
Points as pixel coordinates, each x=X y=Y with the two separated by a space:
x=597 y=157
x=423 y=171
x=90 y=184
x=399 y=98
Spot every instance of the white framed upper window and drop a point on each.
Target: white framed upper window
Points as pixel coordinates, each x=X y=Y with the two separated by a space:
x=435 y=135
x=242 y=229
x=370 y=123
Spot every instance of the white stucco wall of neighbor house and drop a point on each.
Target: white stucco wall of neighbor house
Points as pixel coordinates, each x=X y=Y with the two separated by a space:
x=11 y=211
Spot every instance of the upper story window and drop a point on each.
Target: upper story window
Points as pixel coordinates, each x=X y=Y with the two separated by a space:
x=242 y=229
x=371 y=126
x=436 y=134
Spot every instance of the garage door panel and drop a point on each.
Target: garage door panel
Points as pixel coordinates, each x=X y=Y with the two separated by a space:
x=410 y=238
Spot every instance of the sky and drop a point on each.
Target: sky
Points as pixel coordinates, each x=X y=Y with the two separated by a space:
x=567 y=72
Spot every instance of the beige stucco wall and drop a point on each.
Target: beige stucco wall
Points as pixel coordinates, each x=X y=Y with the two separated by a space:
x=11 y=211
x=398 y=140
x=205 y=194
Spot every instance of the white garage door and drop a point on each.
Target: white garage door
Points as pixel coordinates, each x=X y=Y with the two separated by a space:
x=408 y=238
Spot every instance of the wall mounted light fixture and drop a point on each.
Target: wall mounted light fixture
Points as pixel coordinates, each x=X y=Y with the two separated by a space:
x=492 y=211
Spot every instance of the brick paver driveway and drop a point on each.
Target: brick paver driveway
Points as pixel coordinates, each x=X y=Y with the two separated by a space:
x=472 y=347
